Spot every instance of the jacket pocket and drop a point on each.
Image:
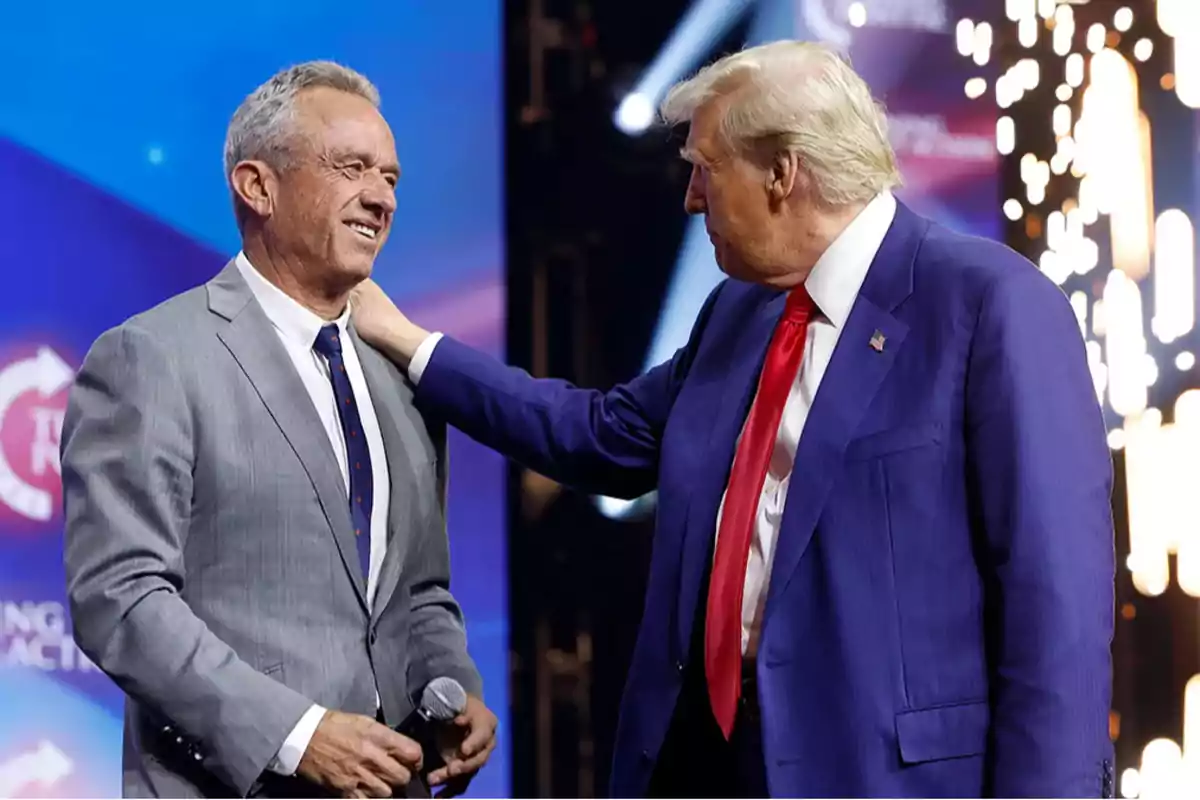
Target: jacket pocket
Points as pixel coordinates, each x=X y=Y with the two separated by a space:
x=933 y=734
x=895 y=440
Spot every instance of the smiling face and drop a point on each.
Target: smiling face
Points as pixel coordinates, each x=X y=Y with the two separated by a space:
x=334 y=201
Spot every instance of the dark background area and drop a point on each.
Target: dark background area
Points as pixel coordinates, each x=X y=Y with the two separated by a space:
x=595 y=219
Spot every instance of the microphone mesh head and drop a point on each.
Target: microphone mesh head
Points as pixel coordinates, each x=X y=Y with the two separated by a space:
x=444 y=699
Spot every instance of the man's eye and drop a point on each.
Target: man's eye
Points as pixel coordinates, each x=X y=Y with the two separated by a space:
x=354 y=169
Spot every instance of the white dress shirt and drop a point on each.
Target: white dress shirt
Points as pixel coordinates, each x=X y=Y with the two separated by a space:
x=833 y=284
x=297 y=329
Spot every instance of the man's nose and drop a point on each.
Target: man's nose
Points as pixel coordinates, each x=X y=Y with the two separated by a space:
x=380 y=197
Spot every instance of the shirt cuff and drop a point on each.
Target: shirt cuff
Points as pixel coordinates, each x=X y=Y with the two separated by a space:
x=287 y=760
x=420 y=359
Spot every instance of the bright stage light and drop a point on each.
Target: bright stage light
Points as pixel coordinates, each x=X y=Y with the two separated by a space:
x=635 y=113
x=693 y=38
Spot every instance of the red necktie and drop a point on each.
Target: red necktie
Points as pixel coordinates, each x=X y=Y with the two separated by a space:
x=723 y=624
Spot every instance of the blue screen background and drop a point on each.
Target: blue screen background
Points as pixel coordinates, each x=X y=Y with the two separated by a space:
x=112 y=199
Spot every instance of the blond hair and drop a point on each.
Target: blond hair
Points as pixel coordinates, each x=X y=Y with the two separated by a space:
x=802 y=97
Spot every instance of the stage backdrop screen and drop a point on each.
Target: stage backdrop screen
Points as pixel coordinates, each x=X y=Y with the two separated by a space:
x=112 y=198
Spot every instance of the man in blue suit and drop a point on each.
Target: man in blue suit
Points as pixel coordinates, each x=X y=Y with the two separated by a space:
x=883 y=563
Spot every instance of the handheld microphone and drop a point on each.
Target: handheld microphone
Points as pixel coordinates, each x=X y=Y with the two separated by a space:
x=442 y=700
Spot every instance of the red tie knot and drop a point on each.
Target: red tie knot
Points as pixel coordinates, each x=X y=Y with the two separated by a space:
x=800 y=305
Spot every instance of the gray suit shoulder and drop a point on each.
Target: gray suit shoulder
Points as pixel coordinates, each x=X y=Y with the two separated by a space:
x=171 y=325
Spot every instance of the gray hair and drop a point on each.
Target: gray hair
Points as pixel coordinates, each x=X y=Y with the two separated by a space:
x=259 y=128
x=803 y=97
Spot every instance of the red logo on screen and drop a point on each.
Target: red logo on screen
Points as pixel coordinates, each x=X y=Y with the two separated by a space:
x=33 y=398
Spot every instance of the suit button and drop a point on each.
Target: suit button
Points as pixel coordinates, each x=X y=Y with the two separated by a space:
x=374 y=635
x=680 y=666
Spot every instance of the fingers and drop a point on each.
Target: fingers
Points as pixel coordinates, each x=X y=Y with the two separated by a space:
x=463 y=767
x=371 y=778
x=473 y=764
x=355 y=756
x=388 y=760
x=453 y=786
x=370 y=786
x=474 y=750
x=399 y=747
x=387 y=768
x=476 y=741
x=482 y=731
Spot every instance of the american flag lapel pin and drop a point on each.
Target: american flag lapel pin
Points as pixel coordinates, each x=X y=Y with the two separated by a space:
x=877 y=341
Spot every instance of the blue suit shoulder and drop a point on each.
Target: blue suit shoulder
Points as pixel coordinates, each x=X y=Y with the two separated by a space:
x=982 y=287
x=982 y=272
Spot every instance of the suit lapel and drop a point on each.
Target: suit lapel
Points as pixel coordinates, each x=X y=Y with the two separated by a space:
x=396 y=429
x=739 y=388
x=251 y=340
x=855 y=373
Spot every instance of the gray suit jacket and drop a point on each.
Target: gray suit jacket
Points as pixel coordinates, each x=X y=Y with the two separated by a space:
x=211 y=566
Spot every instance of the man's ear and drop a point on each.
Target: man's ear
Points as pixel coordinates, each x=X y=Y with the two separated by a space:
x=785 y=175
x=255 y=184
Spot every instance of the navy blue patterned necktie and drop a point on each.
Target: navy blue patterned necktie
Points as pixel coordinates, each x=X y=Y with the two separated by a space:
x=358 y=455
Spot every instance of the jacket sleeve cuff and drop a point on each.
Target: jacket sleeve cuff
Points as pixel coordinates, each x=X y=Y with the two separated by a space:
x=420 y=359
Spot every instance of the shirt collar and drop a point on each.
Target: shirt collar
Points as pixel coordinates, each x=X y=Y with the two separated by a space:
x=297 y=324
x=839 y=273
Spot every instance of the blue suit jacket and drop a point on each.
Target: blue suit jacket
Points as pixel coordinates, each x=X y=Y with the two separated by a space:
x=940 y=610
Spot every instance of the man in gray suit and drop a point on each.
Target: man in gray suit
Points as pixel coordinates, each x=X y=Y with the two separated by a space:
x=255 y=520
